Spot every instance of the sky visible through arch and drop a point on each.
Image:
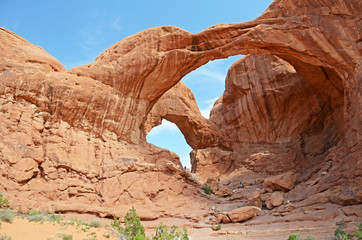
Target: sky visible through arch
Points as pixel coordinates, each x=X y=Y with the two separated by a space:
x=77 y=31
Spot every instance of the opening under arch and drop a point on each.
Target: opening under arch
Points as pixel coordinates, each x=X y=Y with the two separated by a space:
x=207 y=82
x=168 y=136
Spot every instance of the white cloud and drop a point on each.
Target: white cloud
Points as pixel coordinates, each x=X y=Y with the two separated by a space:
x=165 y=126
x=211 y=74
x=212 y=101
x=116 y=23
x=206 y=111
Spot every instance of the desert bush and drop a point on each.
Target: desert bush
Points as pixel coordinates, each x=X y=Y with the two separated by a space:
x=6 y=215
x=207 y=189
x=95 y=224
x=67 y=236
x=37 y=218
x=134 y=230
x=218 y=227
x=339 y=234
x=33 y=213
x=3 y=202
x=296 y=236
x=170 y=233
x=55 y=217
x=5 y=237
x=42 y=217
x=78 y=222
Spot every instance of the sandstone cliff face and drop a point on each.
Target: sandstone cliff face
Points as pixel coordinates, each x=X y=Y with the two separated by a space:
x=75 y=140
x=266 y=100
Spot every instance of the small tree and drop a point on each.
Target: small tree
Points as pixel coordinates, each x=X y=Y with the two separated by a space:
x=133 y=227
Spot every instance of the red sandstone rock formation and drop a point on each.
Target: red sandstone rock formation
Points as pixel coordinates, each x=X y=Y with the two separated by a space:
x=75 y=140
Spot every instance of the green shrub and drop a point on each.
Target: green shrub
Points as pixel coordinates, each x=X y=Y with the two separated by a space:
x=37 y=218
x=95 y=224
x=78 y=222
x=170 y=233
x=207 y=189
x=67 y=236
x=218 y=227
x=339 y=234
x=116 y=224
x=134 y=230
x=55 y=217
x=3 y=201
x=5 y=237
x=33 y=213
x=41 y=217
x=6 y=215
x=295 y=236
x=341 y=225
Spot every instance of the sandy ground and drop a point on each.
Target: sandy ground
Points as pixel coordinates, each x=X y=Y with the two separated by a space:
x=22 y=229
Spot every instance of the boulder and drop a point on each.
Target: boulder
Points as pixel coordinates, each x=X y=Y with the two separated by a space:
x=284 y=182
x=255 y=200
x=213 y=184
x=224 y=192
x=223 y=218
x=275 y=200
x=244 y=213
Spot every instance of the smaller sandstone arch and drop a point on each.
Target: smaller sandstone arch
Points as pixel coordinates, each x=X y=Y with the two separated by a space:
x=178 y=105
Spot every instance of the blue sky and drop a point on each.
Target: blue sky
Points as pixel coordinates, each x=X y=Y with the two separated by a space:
x=76 y=32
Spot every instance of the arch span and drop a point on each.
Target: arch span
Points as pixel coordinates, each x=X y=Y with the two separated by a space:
x=144 y=66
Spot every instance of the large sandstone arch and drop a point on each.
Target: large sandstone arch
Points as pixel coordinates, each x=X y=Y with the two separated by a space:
x=144 y=66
